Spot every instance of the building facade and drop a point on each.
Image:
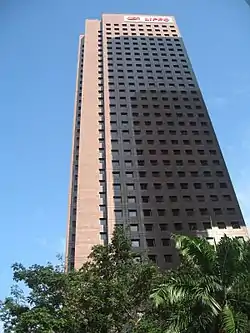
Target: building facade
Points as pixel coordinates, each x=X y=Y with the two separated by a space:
x=144 y=154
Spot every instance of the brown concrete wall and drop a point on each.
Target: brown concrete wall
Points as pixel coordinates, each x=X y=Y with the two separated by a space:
x=87 y=225
x=69 y=257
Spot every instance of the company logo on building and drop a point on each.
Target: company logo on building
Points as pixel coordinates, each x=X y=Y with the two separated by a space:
x=158 y=19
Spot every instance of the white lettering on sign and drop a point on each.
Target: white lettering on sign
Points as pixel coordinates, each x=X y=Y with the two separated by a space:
x=155 y=19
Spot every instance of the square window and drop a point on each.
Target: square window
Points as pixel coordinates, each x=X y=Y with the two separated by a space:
x=128 y=164
x=231 y=211
x=152 y=257
x=135 y=243
x=173 y=198
x=178 y=226
x=170 y=186
x=168 y=258
x=189 y=211
x=145 y=199
x=157 y=186
x=132 y=213
x=203 y=211
x=217 y=211
x=118 y=213
x=204 y=162
x=150 y=242
x=154 y=162
x=187 y=198
x=227 y=197
x=141 y=163
x=115 y=163
x=214 y=197
x=192 y=226
x=179 y=162
x=166 y=162
x=197 y=186
x=117 y=199
x=117 y=187
x=148 y=226
x=127 y=152
x=159 y=198
x=130 y=187
x=235 y=224
x=131 y=199
x=176 y=212
x=129 y=174
x=147 y=212
x=221 y=225
x=165 y=242
x=161 y=212
x=143 y=186
x=134 y=227
x=142 y=174
x=200 y=198
x=207 y=225
x=163 y=226
x=139 y=152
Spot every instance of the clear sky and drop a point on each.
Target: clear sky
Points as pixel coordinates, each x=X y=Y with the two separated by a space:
x=38 y=55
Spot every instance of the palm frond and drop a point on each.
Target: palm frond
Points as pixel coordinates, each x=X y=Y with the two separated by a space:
x=242 y=323
x=207 y=299
x=227 y=320
x=197 y=251
x=176 y=289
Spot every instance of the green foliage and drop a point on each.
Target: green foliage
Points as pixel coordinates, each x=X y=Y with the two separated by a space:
x=112 y=293
x=210 y=292
x=227 y=320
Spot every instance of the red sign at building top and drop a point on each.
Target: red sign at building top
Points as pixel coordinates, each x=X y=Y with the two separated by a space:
x=162 y=19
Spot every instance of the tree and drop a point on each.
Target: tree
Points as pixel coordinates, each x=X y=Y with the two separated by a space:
x=210 y=292
x=110 y=293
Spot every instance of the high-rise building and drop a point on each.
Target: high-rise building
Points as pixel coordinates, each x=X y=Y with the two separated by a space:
x=145 y=154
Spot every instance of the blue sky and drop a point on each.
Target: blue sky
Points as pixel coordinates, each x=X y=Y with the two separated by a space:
x=38 y=57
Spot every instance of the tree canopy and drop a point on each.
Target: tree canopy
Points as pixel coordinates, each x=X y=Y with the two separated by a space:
x=210 y=292
x=113 y=293
x=110 y=293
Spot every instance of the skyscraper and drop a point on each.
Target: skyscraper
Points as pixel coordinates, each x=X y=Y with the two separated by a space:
x=144 y=154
